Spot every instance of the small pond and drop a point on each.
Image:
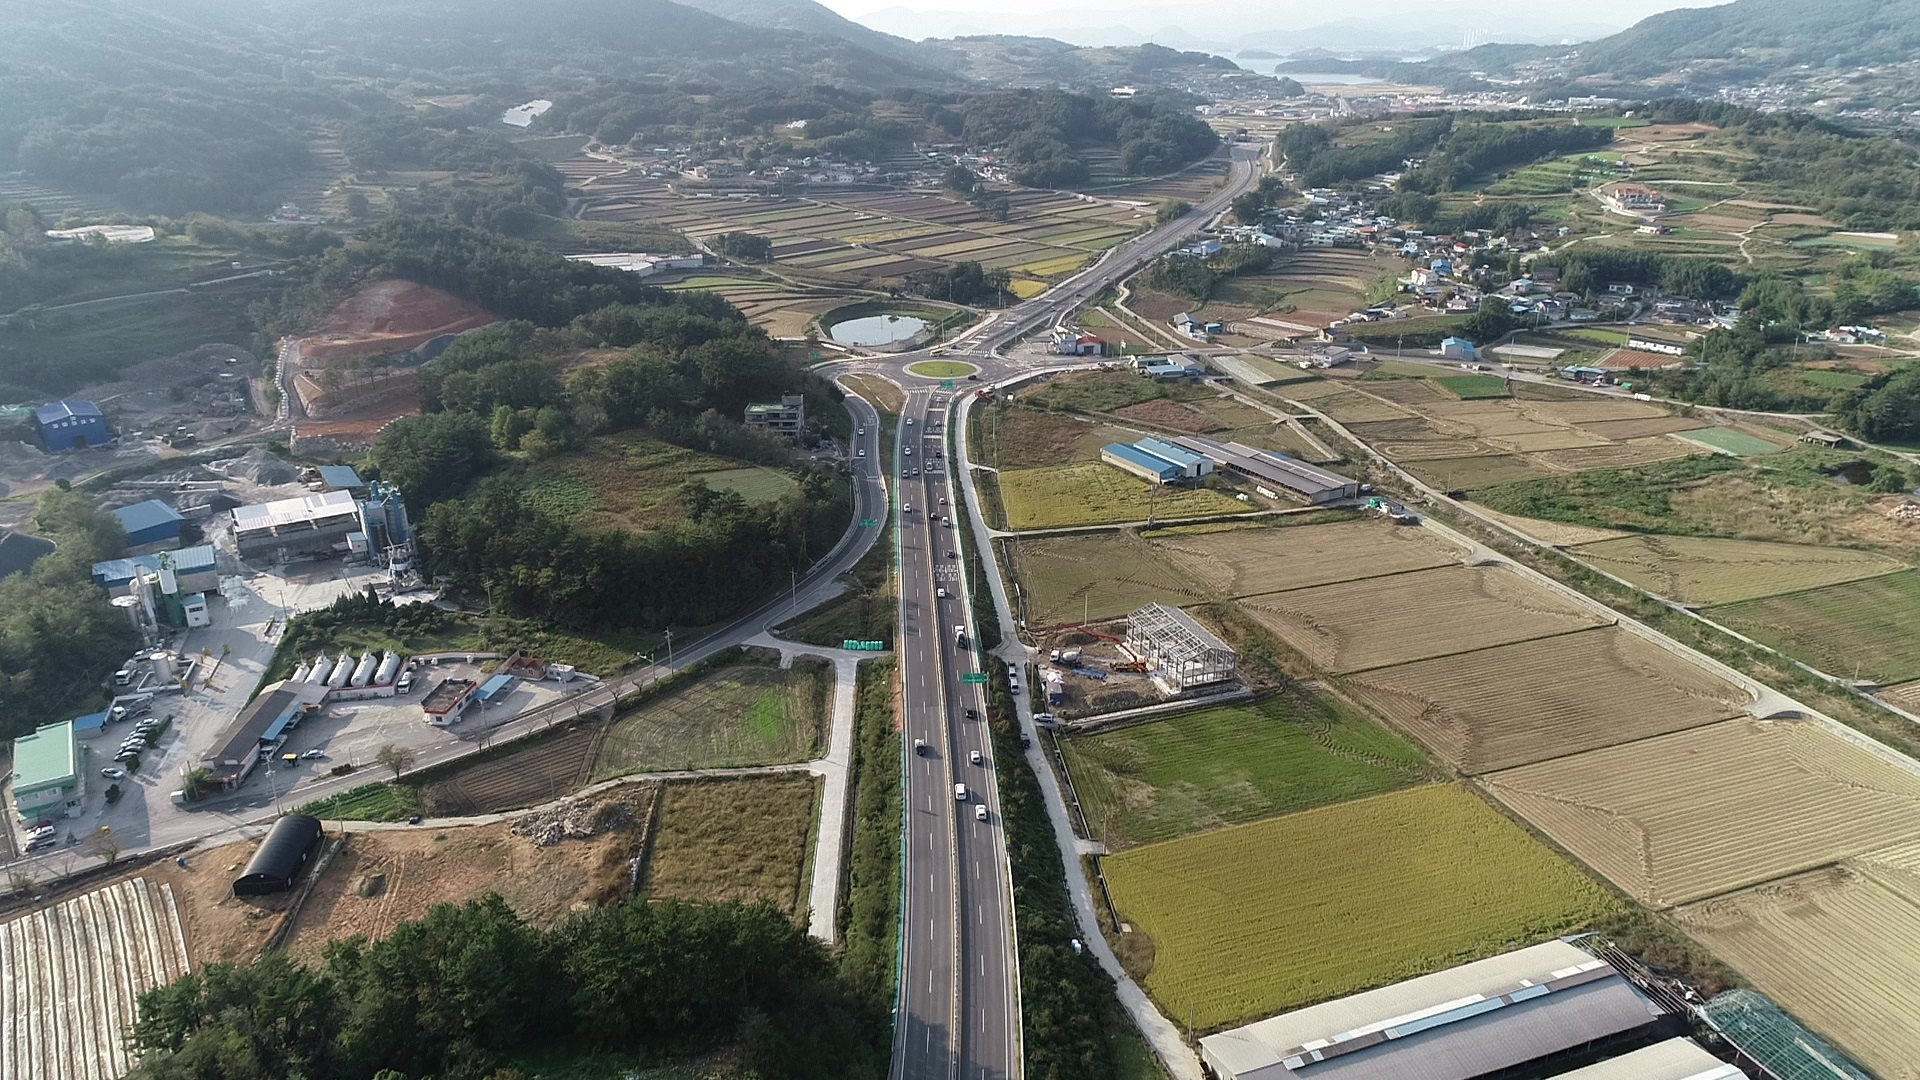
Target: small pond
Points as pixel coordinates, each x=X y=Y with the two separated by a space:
x=873 y=330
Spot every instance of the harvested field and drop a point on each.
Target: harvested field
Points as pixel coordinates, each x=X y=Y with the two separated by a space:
x=1700 y=571
x=1406 y=391
x=1871 y=627
x=1070 y=579
x=1839 y=948
x=1616 y=455
x=1471 y=473
x=1170 y=414
x=1906 y=696
x=1552 y=532
x=742 y=714
x=381 y=879
x=1099 y=494
x=533 y=770
x=1697 y=813
x=1202 y=770
x=1591 y=409
x=1379 y=621
x=748 y=839
x=1313 y=390
x=1256 y=919
x=71 y=975
x=881 y=393
x=1244 y=562
x=1356 y=408
x=1622 y=430
x=1508 y=705
x=1533 y=441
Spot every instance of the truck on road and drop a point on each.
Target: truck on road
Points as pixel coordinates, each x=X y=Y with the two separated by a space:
x=960 y=636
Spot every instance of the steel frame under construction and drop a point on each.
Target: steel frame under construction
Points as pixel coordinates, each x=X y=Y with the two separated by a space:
x=1182 y=653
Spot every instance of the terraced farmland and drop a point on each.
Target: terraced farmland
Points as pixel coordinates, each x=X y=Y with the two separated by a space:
x=71 y=974
x=1215 y=767
x=1505 y=706
x=1069 y=579
x=1379 y=621
x=1869 y=627
x=1700 y=571
x=1472 y=473
x=1099 y=494
x=1697 y=813
x=1255 y=919
x=1245 y=562
x=1839 y=948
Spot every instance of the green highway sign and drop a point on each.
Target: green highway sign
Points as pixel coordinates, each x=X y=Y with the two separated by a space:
x=867 y=523
x=947 y=385
x=863 y=646
x=974 y=678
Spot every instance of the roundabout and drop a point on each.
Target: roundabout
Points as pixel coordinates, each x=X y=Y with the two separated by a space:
x=943 y=369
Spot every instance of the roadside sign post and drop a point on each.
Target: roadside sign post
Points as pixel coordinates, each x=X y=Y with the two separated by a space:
x=974 y=678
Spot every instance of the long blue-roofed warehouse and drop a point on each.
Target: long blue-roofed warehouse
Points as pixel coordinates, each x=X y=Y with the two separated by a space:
x=1140 y=463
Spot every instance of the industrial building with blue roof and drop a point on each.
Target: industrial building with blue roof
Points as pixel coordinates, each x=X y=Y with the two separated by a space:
x=194 y=567
x=71 y=425
x=1140 y=463
x=150 y=525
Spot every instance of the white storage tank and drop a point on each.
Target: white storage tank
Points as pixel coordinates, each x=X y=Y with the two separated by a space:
x=342 y=671
x=389 y=667
x=363 y=672
x=163 y=666
x=322 y=667
x=300 y=673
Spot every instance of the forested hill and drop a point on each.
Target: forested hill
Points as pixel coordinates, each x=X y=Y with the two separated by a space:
x=178 y=105
x=812 y=18
x=1761 y=35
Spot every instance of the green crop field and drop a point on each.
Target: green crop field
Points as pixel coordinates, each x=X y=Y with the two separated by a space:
x=1201 y=770
x=1871 y=627
x=1833 y=380
x=1099 y=494
x=755 y=483
x=1469 y=387
x=1256 y=919
x=1737 y=443
x=745 y=714
x=369 y=802
x=628 y=480
x=1594 y=334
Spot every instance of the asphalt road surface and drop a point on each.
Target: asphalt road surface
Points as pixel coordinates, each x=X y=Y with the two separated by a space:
x=959 y=1007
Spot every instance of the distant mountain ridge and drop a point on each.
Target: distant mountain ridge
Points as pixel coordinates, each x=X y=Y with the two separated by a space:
x=1762 y=34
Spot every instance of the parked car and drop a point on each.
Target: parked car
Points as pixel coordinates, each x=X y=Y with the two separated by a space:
x=314 y=755
x=112 y=773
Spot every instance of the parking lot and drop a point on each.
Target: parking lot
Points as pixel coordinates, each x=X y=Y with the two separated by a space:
x=230 y=658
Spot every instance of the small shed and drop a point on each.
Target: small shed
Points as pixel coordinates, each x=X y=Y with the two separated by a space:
x=150 y=525
x=341 y=478
x=281 y=856
x=1455 y=348
x=497 y=688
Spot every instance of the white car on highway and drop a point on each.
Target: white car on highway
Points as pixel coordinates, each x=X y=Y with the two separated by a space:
x=974 y=756
x=959 y=793
x=980 y=812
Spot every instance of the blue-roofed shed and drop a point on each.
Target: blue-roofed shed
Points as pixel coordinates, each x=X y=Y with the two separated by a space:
x=71 y=425
x=152 y=525
x=1140 y=463
x=341 y=478
x=1192 y=465
x=497 y=688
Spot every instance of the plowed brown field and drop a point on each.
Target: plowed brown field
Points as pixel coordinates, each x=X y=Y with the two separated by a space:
x=1246 y=561
x=1512 y=704
x=1698 y=813
x=1356 y=625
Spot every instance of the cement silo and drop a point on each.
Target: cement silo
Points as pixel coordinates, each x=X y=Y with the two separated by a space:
x=363 y=671
x=389 y=667
x=342 y=671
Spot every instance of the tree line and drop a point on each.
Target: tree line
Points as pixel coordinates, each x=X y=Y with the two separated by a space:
x=1043 y=133
x=57 y=631
x=468 y=991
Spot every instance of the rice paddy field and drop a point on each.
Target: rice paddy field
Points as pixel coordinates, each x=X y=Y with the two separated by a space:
x=1215 y=767
x=1703 y=570
x=1839 y=948
x=1096 y=576
x=1380 y=621
x=1096 y=493
x=1255 y=919
x=1870 y=627
x=1500 y=707
x=1694 y=814
x=784 y=310
x=1245 y=562
x=849 y=236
